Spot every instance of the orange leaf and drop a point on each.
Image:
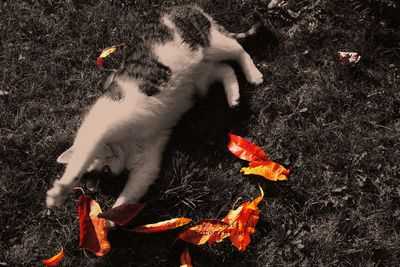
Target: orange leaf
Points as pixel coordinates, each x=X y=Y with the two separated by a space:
x=185 y=259
x=246 y=150
x=204 y=231
x=53 y=261
x=122 y=214
x=162 y=226
x=244 y=227
x=93 y=230
x=242 y=222
x=268 y=169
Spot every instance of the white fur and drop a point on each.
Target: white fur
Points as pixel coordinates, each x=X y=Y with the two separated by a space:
x=131 y=134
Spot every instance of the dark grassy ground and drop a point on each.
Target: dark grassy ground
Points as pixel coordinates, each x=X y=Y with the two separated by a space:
x=337 y=127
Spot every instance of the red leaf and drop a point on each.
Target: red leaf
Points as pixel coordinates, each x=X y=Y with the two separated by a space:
x=185 y=259
x=93 y=230
x=259 y=161
x=246 y=150
x=162 y=226
x=100 y=62
x=204 y=231
x=122 y=214
x=53 y=261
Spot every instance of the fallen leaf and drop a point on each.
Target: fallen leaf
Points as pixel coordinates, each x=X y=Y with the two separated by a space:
x=93 y=230
x=246 y=150
x=122 y=214
x=100 y=62
x=259 y=161
x=53 y=261
x=105 y=53
x=348 y=58
x=242 y=222
x=162 y=226
x=185 y=259
x=267 y=169
x=204 y=231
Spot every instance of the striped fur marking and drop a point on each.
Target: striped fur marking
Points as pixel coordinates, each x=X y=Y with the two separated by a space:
x=193 y=26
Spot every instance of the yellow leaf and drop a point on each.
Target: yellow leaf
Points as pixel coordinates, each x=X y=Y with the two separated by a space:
x=267 y=169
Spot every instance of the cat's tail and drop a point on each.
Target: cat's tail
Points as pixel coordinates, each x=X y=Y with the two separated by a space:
x=257 y=26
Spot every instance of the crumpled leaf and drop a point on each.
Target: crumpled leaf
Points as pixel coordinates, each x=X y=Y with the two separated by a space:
x=259 y=161
x=204 y=231
x=348 y=58
x=242 y=222
x=122 y=214
x=246 y=150
x=93 y=230
x=105 y=53
x=267 y=169
x=162 y=226
x=185 y=259
x=53 y=261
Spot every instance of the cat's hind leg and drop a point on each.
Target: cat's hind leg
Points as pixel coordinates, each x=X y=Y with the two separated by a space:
x=223 y=47
x=223 y=73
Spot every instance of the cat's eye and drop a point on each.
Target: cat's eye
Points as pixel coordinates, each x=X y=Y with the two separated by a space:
x=106 y=169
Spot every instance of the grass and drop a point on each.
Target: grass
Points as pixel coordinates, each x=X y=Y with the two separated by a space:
x=337 y=127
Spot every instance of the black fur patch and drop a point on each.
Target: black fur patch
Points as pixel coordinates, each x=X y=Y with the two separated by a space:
x=193 y=26
x=140 y=62
x=144 y=66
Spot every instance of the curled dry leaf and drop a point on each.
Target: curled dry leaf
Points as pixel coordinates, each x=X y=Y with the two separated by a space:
x=242 y=222
x=93 y=230
x=105 y=53
x=204 y=231
x=238 y=225
x=259 y=161
x=246 y=150
x=348 y=58
x=122 y=214
x=267 y=169
x=53 y=261
x=186 y=261
x=162 y=226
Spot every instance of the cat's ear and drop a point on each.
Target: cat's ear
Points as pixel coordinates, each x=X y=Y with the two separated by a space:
x=66 y=156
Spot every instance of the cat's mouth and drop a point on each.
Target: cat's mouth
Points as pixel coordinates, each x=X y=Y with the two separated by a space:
x=91 y=180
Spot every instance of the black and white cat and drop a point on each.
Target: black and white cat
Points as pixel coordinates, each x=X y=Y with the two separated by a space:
x=181 y=54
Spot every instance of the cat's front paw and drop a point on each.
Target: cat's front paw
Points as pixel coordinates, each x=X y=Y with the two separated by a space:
x=234 y=103
x=56 y=196
x=256 y=77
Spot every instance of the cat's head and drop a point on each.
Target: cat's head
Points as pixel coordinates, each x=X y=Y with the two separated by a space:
x=108 y=159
